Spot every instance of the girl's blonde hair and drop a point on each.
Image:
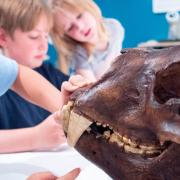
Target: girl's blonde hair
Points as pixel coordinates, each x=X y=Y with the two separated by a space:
x=23 y=14
x=66 y=45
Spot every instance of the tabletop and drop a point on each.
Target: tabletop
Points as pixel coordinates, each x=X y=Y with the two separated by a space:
x=18 y=166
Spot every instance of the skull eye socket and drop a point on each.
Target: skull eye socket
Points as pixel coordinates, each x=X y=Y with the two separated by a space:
x=134 y=93
x=167 y=84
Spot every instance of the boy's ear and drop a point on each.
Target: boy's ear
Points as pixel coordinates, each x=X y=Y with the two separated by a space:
x=3 y=37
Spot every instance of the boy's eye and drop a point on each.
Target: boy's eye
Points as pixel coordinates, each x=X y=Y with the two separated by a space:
x=33 y=37
x=46 y=36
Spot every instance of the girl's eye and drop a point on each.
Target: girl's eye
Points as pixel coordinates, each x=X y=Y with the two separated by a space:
x=70 y=28
x=79 y=16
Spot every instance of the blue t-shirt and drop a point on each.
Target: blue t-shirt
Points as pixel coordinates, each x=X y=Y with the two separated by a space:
x=8 y=73
x=15 y=112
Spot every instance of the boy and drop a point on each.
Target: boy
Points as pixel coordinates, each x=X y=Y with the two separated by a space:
x=24 y=28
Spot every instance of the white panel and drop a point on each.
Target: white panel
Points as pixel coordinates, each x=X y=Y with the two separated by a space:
x=163 y=6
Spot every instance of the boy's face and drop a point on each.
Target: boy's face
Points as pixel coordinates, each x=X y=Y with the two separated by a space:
x=28 y=48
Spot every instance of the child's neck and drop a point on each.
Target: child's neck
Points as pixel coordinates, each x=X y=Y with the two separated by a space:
x=102 y=45
x=99 y=44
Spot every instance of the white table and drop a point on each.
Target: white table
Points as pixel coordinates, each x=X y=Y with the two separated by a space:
x=18 y=166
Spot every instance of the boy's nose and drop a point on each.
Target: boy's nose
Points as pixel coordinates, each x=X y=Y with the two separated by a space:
x=43 y=46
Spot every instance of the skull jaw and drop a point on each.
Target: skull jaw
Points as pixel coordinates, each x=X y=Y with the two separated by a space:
x=121 y=165
x=127 y=166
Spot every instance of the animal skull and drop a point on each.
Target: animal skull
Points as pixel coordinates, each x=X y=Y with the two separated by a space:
x=128 y=122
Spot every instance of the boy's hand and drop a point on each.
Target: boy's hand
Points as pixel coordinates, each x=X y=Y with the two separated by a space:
x=49 y=134
x=49 y=176
x=68 y=87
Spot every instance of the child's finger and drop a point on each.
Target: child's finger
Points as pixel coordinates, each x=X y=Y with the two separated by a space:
x=78 y=80
x=42 y=175
x=71 y=175
x=68 y=87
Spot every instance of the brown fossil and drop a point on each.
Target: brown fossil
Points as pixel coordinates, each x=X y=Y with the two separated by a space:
x=128 y=123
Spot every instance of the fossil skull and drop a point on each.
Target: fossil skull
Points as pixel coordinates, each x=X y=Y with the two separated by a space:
x=128 y=123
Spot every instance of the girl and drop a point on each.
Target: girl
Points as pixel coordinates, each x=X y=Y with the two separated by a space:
x=86 y=42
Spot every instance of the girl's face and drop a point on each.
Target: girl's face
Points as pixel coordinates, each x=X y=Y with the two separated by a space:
x=81 y=27
x=28 y=48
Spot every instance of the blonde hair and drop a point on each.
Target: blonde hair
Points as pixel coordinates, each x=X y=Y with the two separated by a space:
x=22 y=14
x=66 y=45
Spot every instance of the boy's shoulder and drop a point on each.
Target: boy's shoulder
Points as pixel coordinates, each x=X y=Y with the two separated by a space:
x=47 y=67
x=52 y=74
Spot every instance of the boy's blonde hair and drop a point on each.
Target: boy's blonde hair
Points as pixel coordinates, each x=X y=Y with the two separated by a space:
x=66 y=45
x=22 y=14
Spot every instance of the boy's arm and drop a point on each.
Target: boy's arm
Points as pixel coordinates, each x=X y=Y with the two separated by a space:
x=16 y=140
x=45 y=136
x=33 y=87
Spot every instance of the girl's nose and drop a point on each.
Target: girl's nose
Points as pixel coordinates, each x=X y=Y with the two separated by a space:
x=79 y=25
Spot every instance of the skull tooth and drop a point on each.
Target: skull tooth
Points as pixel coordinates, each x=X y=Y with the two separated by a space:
x=128 y=148
x=98 y=124
x=147 y=148
x=98 y=136
x=128 y=141
x=88 y=129
x=115 y=138
x=66 y=110
x=76 y=127
x=133 y=144
x=120 y=143
x=153 y=152
x=107 y=134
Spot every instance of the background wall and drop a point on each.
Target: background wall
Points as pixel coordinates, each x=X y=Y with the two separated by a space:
x=140 y=23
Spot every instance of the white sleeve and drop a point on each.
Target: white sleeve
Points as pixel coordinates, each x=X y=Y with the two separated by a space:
x=79 y=59
x=118 y=33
